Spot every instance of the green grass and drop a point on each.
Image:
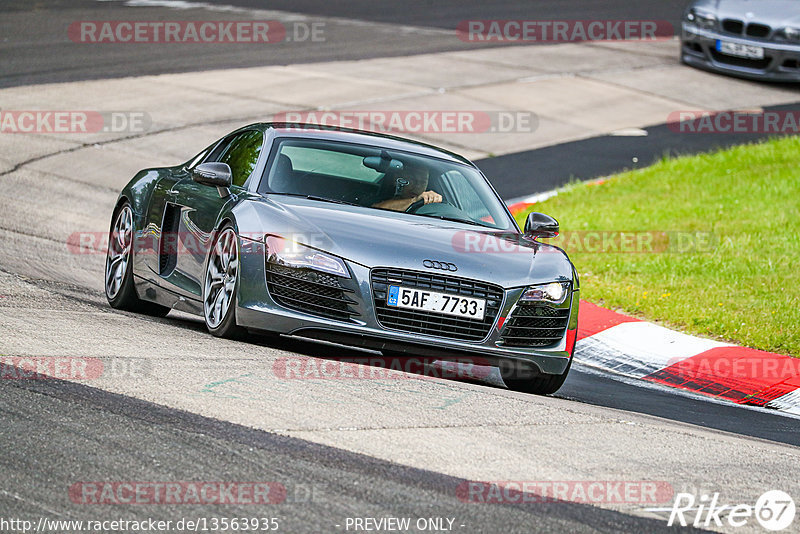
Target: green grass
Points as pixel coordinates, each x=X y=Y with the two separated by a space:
x=744 y=287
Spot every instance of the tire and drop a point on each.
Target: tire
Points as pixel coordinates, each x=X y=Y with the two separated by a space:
x=540 y=385
x=118 y=280
x=221 y=285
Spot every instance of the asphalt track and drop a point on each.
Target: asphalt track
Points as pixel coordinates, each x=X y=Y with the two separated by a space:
x=557 y=165
x=56 y=432
x=36 y=49
x=140 y=441
x=446 y=14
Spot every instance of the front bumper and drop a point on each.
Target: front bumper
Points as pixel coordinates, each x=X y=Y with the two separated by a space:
x=781 y=61
x=258 y=311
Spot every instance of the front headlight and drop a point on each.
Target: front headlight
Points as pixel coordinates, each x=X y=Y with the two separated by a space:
x=791 y=34
x=552 y=293
x=288 y=253
x=701 y=19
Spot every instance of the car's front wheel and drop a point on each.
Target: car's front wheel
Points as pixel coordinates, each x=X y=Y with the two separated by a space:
x=120 y=290
x=538 y=385
x=221 y=284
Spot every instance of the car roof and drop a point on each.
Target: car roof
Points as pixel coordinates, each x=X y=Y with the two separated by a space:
x=335 y=133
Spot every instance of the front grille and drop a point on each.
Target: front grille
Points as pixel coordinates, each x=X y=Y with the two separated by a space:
x=759 y=64
x=535 y=325
x=310 y=292
x=733 y=26
x=430 y=323
x=758 y=30
x=754 y=29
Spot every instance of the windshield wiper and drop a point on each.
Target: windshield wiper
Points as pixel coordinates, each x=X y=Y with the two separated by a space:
x=455 y=219
x=315 y=197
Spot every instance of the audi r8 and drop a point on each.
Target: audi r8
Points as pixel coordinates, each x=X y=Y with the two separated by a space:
x=756 y=39
x=354 y=237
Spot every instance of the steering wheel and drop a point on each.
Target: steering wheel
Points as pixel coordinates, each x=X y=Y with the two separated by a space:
x=415 y=206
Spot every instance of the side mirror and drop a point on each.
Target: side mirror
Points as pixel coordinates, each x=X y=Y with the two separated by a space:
x=541 y=225
x=215 y=174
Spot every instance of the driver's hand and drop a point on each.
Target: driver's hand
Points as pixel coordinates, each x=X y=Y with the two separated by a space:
x=430 y=197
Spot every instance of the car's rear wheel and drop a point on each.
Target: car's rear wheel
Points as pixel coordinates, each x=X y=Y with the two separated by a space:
x=221 y=285
x=120 y=290
x=538 y=385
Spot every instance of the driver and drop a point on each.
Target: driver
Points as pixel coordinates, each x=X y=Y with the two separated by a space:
x=412 y=182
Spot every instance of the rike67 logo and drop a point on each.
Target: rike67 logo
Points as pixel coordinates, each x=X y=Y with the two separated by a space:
x=774 y=510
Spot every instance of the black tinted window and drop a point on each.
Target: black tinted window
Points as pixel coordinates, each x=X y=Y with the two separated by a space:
x=242 y=154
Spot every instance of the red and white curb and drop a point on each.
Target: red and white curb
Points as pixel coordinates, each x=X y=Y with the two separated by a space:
x=517 y=205
x=630 y=347
x=627 y=346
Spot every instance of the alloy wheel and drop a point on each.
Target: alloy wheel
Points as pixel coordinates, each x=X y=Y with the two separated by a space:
x=220 y=281
x=119 y=248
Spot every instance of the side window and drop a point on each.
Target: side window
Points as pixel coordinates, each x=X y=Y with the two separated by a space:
x=219 y=148
x=197 y=159
x=242 y=154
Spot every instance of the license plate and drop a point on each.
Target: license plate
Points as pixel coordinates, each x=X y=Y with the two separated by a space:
x=420 y=299
x=740 y=50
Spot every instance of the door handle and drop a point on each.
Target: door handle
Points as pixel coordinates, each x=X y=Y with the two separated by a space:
x=172 y=192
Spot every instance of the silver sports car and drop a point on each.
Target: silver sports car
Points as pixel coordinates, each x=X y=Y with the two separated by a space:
x=757 y=39
x=348 y=236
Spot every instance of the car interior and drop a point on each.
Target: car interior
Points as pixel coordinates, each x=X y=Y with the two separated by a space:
x=365 y=176
x=284 y=178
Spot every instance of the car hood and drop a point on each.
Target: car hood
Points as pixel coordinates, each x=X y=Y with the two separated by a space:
x=377 y=238
x=776 y=13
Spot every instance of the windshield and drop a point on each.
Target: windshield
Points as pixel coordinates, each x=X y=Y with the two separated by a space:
x=383 y=179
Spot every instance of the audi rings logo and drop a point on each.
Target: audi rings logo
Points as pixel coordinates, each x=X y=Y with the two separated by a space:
x=444 y=266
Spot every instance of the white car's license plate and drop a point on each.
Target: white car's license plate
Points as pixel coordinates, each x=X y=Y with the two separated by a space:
x=421 y=299
x=740 y=50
